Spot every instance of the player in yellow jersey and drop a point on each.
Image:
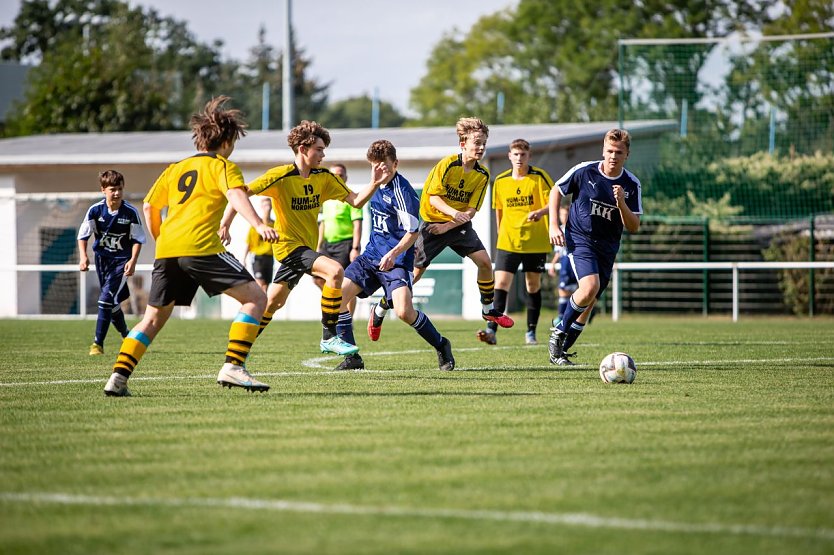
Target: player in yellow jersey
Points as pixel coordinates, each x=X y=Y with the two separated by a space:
x=452 y=194
x=189 y=253
x=520 y=198
x=297 y=191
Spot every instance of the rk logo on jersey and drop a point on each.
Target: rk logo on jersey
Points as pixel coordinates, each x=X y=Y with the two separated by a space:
x=598 y=209
x=381 y=223
x=112 y=243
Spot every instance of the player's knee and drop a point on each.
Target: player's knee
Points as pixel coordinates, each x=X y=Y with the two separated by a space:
x=405 y=312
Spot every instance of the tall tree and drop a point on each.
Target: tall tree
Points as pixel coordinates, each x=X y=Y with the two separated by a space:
x=556 y=60
x=104 y=66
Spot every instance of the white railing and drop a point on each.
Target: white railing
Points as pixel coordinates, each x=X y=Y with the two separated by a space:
x=733 y=266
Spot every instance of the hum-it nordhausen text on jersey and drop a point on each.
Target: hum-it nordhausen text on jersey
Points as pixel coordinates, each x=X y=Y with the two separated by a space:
x=296 y=201
x=114 y=233
x=394 y=212
x=594 y=218
x=516 y=198
x=459 y=190
x=194 y=191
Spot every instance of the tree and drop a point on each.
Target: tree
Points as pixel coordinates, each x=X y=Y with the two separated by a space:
x=106 y=67
x=557 y=60
x=355 y=112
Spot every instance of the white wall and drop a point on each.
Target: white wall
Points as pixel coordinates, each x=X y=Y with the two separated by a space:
x=8 y=246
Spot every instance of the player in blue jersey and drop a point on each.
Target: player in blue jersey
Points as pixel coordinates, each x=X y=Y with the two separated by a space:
x=118 y=237
x=606 y=199
x=388 y=260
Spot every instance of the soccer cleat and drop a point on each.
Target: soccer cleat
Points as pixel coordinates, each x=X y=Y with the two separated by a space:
x=530 y=338
x=487 y=336
x=96 y=349
x=338 y=346
x=351 y=362
x=374 y=323
x=116 y=386
x=556 y=346
x=232 y=375
x=501 y=319
x=564 y=360
x=445 y=360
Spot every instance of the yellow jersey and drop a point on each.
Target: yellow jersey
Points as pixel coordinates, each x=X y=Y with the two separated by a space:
x=296 y=201
x=194 y=191
x=516 y=198
x=459 y=190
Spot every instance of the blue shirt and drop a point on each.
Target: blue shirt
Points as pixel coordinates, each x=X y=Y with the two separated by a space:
x=594 y=218
x=114 y=232
x=395 y=209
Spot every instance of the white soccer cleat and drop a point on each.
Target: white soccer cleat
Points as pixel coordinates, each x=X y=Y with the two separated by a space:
x=232 y=375
x=116 y=386
x=338 y=347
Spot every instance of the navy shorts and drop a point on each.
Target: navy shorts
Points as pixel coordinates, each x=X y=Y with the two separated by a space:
x=462 y=239
x=506 y=261
x=296 y=264
x=177 y=279
x=370 y=278
x=111 y=278
x=587 y=261
x=567 y=279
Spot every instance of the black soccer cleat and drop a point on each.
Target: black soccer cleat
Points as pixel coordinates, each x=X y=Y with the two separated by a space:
x=445 y=360
x=556 y=346
x=351 y=362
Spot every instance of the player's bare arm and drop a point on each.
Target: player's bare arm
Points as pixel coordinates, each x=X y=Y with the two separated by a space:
x=130 y=265
x=537 y=215
x=239 y=200
x=83 y=260
x=387 y=261
x=556 y=236
x=153 y=217
x=380 y=174
x=631 y=221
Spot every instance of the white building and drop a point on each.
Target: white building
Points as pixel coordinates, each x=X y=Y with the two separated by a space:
x=47 y=183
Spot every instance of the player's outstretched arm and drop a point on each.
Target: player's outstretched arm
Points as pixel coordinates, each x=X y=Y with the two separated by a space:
x=379 y=176
x=239 y=201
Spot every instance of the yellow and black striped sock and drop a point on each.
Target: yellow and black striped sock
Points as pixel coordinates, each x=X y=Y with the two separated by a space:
x=130 y=353
x=242 y=333
x=487 y=289
x=265 y=320
x=331 y=298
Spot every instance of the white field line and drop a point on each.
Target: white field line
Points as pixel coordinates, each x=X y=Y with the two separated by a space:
x=565 y=519
x=319 y=362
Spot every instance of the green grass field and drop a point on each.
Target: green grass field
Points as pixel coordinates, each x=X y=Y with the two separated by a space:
x=724 y=444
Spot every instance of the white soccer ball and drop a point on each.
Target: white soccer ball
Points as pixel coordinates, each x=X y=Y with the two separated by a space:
x=617 y=368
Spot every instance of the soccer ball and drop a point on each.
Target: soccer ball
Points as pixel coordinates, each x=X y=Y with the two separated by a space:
x=617 y=368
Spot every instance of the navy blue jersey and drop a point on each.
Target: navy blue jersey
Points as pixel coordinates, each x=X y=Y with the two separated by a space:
x=594 y=218
x=395 y=209
x=114 y=232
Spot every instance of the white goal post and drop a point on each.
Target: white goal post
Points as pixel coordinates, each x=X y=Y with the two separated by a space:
x=732 y=266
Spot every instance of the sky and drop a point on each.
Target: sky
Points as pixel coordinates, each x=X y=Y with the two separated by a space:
x=356 y=46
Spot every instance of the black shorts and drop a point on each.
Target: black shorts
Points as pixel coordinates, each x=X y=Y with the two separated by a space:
x=296 y=264
x=506 y=261
x=263 y=266
x=462 y=239
x=177 y=279
x=339 y=251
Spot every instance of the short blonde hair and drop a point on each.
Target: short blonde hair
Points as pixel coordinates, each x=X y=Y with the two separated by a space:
x=618 y=136
x=520 y=144
x=467 y=126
